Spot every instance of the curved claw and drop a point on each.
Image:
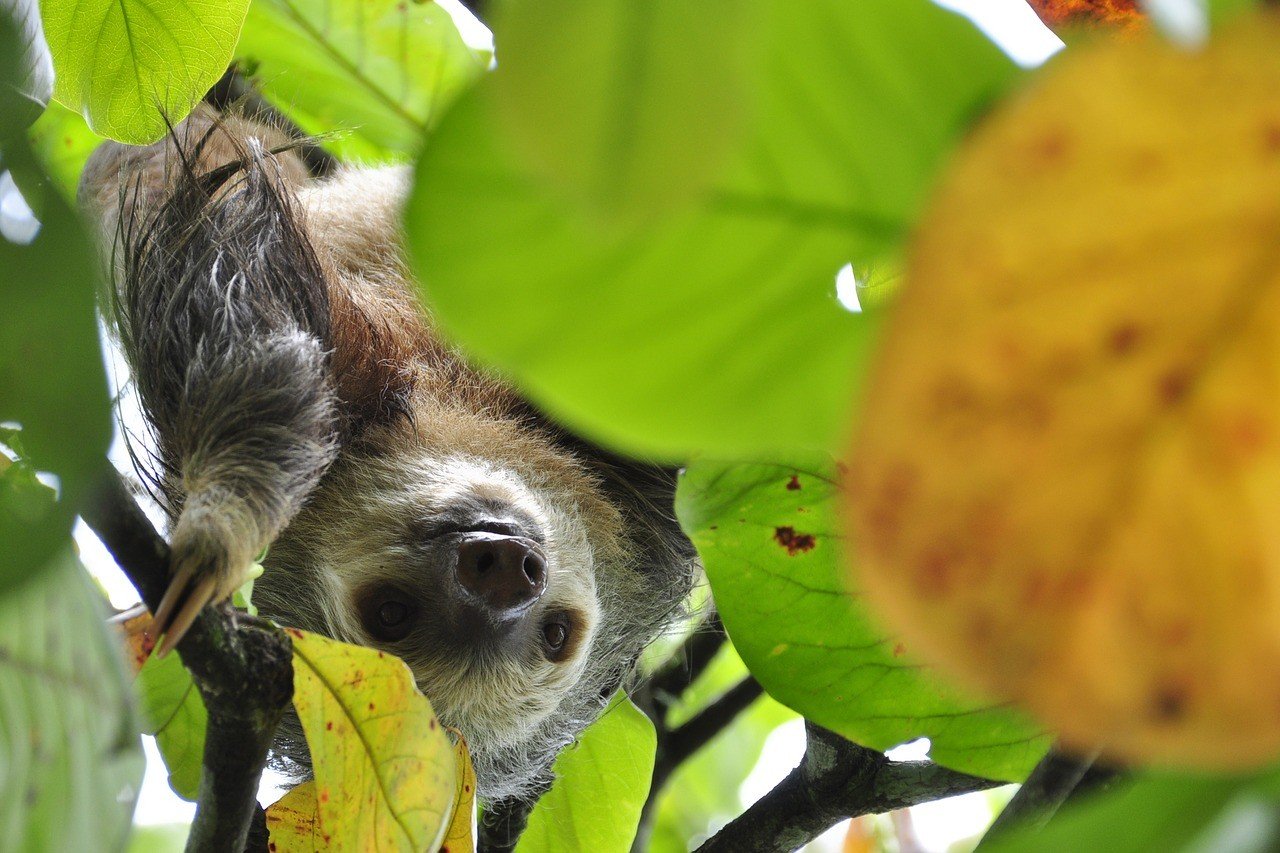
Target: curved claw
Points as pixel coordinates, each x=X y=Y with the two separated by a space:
x=181 y=604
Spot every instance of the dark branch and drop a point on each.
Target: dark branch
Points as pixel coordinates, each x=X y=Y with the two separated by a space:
x=685 y=666
x=1057 y=778
x=836 y=780
x=243 y=668
x=682 y=742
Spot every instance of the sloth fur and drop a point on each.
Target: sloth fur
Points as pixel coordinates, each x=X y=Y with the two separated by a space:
x=301 y=399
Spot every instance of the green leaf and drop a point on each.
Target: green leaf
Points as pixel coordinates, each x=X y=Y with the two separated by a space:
x=70 y=756
x=1160 y=812
x=381 y=71
x=51 y=375
x=174 y=712
x=129 y=64
x=26 y=73
x=768 y=538
x=714 y=327
x=596 y=96
x=63 y=142
x=161 y=838
x=601 y=785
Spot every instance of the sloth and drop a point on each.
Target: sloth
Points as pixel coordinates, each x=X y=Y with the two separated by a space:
x=303 y=402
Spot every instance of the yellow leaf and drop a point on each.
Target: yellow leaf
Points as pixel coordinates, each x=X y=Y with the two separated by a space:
x=1066 y=488
x=384 y=767
x=461 y=837
x=292 y=822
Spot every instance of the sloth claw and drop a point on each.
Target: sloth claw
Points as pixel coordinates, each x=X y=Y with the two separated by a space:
x=181 y=604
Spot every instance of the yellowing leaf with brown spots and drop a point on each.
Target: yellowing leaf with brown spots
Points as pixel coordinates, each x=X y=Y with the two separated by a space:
x=1066 y=489
x=384 y=767
x=292 y=821
x=461 y=837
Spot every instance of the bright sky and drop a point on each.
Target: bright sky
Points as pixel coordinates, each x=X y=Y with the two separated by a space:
x=1011 y=24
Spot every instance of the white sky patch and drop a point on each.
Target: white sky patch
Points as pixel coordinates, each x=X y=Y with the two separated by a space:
x=17 y=223
x=1184 y=22
x=916 y=750
x=476 y=35
x=942 y=823
x=1012 y=25
x=847 y=289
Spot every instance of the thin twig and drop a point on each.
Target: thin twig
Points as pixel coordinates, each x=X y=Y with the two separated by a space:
x=242 y=666
x=682 y=742
x=836 y=780
x=683 y=668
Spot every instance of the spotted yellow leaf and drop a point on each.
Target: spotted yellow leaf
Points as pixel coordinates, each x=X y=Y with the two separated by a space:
x=1066 y=488
x=461 y=837
x=292 y=821
x=384 y=766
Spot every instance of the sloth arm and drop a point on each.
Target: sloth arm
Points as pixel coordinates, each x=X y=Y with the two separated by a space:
x=222 y=308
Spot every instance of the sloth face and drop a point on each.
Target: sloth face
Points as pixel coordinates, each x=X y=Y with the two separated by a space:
x=480 y=562
x=483 y=582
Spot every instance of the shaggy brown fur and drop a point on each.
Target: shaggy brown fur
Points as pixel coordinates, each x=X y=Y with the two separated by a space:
x=302 y=399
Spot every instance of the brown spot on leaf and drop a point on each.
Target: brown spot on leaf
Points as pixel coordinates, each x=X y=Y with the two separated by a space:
x=1271 y=138
x=899 y=650
x=329 y=725
x=1169 y=703
x=795 y=543
x=1123 y=339
x=1173 y=386
x=936 y=570
x=793 y=485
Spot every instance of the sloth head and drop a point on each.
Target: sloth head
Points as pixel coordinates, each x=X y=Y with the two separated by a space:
x=517 y=578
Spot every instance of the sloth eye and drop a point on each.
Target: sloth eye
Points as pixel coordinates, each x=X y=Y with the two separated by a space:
x=555 y=637
x=388 y=614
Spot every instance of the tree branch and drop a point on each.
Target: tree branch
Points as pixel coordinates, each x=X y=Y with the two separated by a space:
x=669 y=683
x=836 y=780
x=1056 y=779
x=242 y=666
x=682 y=742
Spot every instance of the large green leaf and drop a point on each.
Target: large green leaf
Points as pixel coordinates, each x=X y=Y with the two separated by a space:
x=51 y=376
x=598 y=95
x=600 y=788
x=174 y=712
x=70 y=756
x=380 y=70
x=129 y=64
x=26 y=72
x=715 y=326
x=1172 y=814
x=769 y=539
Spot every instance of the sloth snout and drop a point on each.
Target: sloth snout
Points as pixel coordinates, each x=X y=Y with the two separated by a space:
x=505 y=575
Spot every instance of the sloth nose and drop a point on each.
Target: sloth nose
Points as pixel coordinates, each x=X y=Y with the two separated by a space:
x=504 y=574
